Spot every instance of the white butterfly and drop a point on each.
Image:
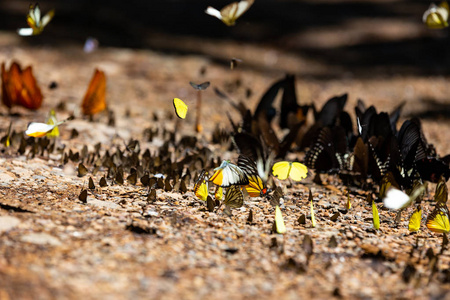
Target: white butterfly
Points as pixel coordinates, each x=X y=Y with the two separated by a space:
x=35 y=22
x=228 y=174
x=36 y=129
x=230 y=13
x=396 y=199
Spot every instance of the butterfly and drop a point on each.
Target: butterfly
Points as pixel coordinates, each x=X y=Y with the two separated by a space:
x=436 y=17
x=180 y=108
x=256 y=186
x=228 y=174
x=375 y=215
x=387 y=182
x=20 y=87
x=35 y=21
x=95 y=98
x=414 y=221
x=200 y=87
x=396 y=199
x=36 y=129
x=279 y=222
x=284 y=169
x=313 y=218
x=441 y=194
x=201 y=186
x=218 y=195
x=437 y=220
x=230 y=13
x=53 y=121
x=234 y=198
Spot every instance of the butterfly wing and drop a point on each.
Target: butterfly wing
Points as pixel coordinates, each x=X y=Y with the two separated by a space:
x=242 y=7
x=234 y=198
x=180 y=108
x=95 y=98
x=228 y=174
x=228 y=14
x=414 y=221
x=31 y=95
x=213 y=12
x=47 y=18
x=281 y=170
x=53 y=121
x=218 y=195
x=298 y=171
x=255 y=188
x=437 y=220
x=279 y=222
x=201 y=187
x=396 y=199
x=376 y=216
x=38 y=129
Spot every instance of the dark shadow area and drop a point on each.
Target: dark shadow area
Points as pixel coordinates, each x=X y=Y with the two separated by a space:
x=268 y=23
x=434 y=110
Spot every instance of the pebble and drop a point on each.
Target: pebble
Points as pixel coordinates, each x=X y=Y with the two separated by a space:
x=100 y=203
x=8 y=222
x=40 y=239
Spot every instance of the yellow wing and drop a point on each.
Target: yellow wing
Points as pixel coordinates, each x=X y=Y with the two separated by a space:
x=437 y=220
x=436 y=17
x=180 y=108
x=298 y=171
x=281 y=170
x=376 y=217
x=313 y=218
x=414 y=221
x=201 y=187
x=441 y=194
x=279 y=222
x=53 y=121
x=256 y=187
x=219 y=193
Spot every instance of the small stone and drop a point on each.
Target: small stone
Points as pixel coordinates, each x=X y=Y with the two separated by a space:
x=40 y=239
x=8 y=222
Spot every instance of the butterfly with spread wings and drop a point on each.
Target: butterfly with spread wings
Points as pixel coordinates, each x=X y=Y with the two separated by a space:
x=257 y=186
x=35 y=21
x=230 y=13
x=438 y=219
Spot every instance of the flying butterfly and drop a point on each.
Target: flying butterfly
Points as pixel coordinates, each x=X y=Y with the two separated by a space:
x=284 y=169
x=438 y=219
x=200 y=87
x=397 y=199
x=279 y=222
x=234 y=198
x=414 y=221
x=436 y=17
x=201 y=186
x=180 y=108
x=94 y=100
x=230 y=13
x=228 y=174
x=36 y=129
x=35 y=21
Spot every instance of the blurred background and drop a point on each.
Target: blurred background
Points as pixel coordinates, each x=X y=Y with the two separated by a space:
x=317 y=38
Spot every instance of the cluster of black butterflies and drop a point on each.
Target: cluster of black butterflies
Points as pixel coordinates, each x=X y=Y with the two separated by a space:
x=331 y=144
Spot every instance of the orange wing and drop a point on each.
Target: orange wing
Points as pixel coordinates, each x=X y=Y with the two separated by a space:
x=20 y=88
x=30 y=94
x=94 y=101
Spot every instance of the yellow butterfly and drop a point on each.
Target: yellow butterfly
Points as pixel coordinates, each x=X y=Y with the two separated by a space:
x=256 y=186
x=234 y=198
x=35 y=22
x=313 y=218
x=52 y=121
x=376 y=217
x=279 y=222
x=201 y=186
x=180 y=108
x=414 y=221
x=219 y=193
x=436 y=17
x=230 y=13
x=437 y=220
x=284 y=169
x=228 y=174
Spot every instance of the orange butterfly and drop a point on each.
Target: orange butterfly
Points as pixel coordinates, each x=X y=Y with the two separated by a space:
x=20 y=87
x=94 y=100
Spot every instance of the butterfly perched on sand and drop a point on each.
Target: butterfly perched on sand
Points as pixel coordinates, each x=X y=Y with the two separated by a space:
x=285 y=169
x=228 y=174
x=438 y=219
x=201 y=186
x=20 y=87
x=234 y=198
x=414 y=221
x=256 y=187
x=279 y=222
x=53 y=121
x=94 y=100
x=180 y=108
x=230 y=13
x=35 y=21
x=436 y=16
x=376 y=216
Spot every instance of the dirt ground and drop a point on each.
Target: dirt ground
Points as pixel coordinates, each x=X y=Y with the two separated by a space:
x=119 y=245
